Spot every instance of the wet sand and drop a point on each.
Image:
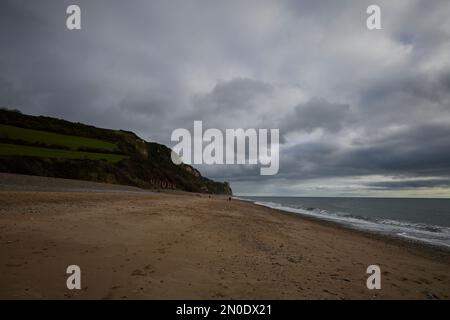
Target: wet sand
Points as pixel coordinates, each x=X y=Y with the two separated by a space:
x=138 y=245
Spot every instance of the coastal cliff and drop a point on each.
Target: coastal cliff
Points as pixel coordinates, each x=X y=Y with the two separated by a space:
x=51 y=147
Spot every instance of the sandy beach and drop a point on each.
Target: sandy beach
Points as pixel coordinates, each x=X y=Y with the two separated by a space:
x=142 y=245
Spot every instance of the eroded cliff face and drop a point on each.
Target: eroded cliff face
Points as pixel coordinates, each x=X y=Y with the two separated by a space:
x=142 y=164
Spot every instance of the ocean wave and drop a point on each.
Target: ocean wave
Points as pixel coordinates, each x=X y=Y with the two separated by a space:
x=421 y=232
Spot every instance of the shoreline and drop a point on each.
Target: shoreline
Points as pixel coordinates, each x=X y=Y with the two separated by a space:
x=342 y=224
x=190 y=246
x=401 y=241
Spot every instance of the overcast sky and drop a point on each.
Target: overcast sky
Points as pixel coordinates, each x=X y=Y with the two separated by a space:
x=360 y=113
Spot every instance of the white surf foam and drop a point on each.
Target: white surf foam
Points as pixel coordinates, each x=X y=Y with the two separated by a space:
x=429 y=234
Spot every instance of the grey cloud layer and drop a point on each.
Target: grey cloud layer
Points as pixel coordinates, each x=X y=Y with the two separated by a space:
x=348 y=102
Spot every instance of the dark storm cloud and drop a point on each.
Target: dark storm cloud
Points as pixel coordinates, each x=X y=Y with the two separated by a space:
x=239 y=93
x=421 y=150
x=410 y=184
x=418 y=151
x=348 y=102
x=410 y=90
x=229 y=103
x=317 y=113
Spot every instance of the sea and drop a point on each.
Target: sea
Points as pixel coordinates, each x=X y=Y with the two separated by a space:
x=422 y=220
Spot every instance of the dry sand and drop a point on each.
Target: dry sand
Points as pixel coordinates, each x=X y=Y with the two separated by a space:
x=184 y=246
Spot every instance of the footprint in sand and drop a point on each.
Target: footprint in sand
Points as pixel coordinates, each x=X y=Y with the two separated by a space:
x=14 y=265
x=161 y=250
x=294 y=259
x=138 y=272
x=149 y=268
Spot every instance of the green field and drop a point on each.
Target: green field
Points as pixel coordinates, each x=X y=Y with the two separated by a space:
x=54 y=139
x=28 y=151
